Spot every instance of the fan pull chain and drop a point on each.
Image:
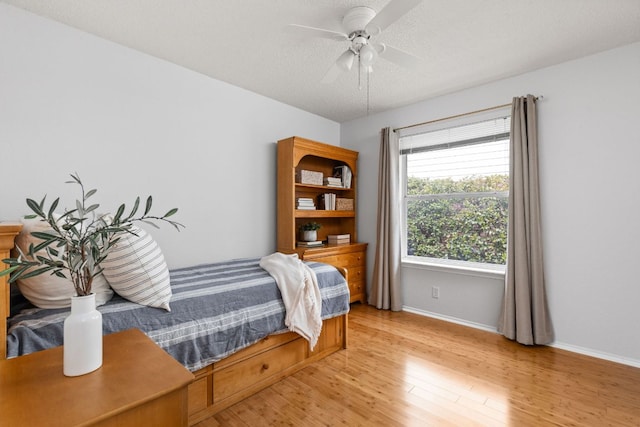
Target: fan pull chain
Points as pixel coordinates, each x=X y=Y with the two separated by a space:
x=359 y=73
x=367 y=73
x=368 y=84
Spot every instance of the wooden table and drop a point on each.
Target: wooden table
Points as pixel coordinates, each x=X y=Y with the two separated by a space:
x=138 y=384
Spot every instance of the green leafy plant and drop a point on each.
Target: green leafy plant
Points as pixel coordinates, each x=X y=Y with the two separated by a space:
x=79 y=239
x=464 y=228
x=310 y=226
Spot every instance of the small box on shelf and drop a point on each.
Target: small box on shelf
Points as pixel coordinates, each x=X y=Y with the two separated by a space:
x=344 y=204
x=309 y=177
x=338 y=239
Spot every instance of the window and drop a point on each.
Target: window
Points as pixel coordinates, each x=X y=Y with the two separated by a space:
x=455 y=181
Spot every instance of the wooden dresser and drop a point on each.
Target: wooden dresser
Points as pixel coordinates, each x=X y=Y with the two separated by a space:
x=139 y=384
x=351 y=258
x=8 y=233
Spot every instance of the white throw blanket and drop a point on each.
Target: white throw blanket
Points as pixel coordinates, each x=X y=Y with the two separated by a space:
x=300 y=292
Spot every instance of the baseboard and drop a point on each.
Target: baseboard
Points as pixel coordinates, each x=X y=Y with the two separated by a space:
x=450 y=319
x=597 y=354
x=562 y=346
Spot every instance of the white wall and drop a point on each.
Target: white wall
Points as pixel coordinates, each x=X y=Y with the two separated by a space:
x=589 y=152
x=130 y=125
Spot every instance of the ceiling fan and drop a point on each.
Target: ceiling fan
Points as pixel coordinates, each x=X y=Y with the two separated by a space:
x=360 y=25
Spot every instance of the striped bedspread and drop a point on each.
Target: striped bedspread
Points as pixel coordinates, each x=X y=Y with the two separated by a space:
x=216 y=310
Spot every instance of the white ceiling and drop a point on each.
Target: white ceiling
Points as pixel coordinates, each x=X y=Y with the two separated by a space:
x=462 y=43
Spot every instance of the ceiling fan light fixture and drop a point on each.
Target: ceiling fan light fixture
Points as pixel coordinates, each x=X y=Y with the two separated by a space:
x=368 y=55
x=345 y=61
x=360 y=25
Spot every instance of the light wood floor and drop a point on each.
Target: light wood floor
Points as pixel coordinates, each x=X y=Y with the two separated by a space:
x=406 y=370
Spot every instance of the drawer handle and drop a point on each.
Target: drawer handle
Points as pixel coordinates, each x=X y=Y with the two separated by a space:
x=265 y=366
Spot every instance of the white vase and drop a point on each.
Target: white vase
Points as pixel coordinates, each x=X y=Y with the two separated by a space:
x=82 y=337
x=309 y=235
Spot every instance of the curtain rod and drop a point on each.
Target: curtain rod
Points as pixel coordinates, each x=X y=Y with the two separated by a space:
x=459 y=115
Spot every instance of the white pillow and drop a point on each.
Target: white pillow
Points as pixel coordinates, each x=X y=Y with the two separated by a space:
x=135 y=268
x=50 y=291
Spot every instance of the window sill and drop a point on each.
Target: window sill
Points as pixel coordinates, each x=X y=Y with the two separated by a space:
x=491 y=271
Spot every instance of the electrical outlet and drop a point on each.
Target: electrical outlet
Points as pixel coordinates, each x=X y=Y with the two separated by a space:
x=435 y=292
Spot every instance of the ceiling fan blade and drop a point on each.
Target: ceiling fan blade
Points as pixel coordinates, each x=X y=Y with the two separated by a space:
x=397 y=56
x=342 y=64
x=315 y=32
x=332 y=74
x=390 y=14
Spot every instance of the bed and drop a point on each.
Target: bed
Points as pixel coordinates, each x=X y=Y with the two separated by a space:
x=226 y=326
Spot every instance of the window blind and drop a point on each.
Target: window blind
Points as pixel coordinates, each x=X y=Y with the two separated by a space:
x=458 y=136
x=473 y=149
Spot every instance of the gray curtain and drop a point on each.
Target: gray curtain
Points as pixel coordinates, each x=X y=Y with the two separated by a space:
x=385 y=289
x=525 y=314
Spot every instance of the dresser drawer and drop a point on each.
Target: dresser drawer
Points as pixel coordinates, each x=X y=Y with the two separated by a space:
x=262 y=346
x=356 y=289
x=355 y=273
x=343 y=260
x=240 y=376
x=351 y=258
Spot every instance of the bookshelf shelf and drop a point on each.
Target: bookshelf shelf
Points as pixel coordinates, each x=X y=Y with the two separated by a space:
x=319 y=213
x=325 y=188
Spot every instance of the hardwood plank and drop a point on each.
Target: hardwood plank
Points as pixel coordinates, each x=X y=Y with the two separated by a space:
x=226 y=418
x=402 y=369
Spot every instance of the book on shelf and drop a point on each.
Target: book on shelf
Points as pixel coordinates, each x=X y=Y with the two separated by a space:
x=333 y=182
x=310 y=244
x=345 y=175
x=304 y=203
x=328 y=201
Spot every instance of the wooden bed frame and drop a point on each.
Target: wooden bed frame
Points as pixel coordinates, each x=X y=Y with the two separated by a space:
x=232 y=379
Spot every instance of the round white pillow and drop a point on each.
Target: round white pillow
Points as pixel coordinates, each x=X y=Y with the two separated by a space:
x=47 y=290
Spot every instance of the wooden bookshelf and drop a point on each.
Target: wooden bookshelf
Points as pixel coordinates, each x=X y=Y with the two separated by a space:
x=294 y=155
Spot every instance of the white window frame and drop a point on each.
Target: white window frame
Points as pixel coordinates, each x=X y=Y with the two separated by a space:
x=441 y=264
